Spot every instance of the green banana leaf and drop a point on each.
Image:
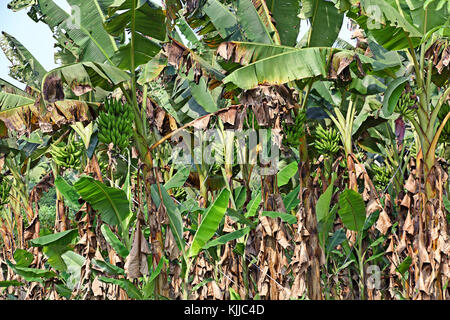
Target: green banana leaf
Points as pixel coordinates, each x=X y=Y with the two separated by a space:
x=352 y=210
x=325 y=20
x=285 y=174
x=285 y=13
x=152 y=69
x=10 y=100
x=286 y=217
x=85 y=76
x=149 y=19
x=111 y=203
x=178 y=179
x=54 y=245
x=32 y=274
x=108 y=267
x=69 y=193
x=227 y=238
x=126 y=285
x=175 y=220
x=281 y=68
x=97 y=45
x=210 y=222
x=114 y=242
x=74 y=264
x=25 y=67
x=224 y=21
x=23 y=258
x=253 y=27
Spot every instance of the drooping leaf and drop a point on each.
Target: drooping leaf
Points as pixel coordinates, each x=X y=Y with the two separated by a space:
x=404 y=266
x=74 y=263
x=323 y=204
x=210 y=222
x=291 y=200
x=108 y=267
x=287 y=22
x=126 y=285
x=59 y=238
x=68 y=192
x=54 y=245
x=85 y=76
x=25 y=67
x=392 y=95
x=32 y=274
x=224 y=21
x=336 y=239
x=10 y=283
x=352 y=210
x=227 y=237
x=152 y=69
x=23 y=258
x=178 y=179
x=111 y=203
x=291 y=65
x=114 y=242
x=289 y=218
x=325 y=20
x=253 y=205
x=10 y=100
x=176 y=222
x=285 y=174
x=253 y=27
x=68 y=111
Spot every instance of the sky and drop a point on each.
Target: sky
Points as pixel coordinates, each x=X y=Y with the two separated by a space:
x=37 y=37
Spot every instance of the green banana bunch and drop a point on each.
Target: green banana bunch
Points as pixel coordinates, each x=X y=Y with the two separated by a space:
x=327 y=140
x=179 y=193
x=68 y=155
x=5 y=188
x=115 y=125
x=405 y=105
x=293 y=132
x=103 y=165
x=382 y=175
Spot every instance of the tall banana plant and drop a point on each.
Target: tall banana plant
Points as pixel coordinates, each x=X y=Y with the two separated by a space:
x=420 y=30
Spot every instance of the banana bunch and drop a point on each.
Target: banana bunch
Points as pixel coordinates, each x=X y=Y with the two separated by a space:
x=381 y=175
x=179 y=193
x=5 y=187
x=405 y=105
x=327 y=141
x=103 y=165
x=68 y=155
x=293 y=132
x=116 y=124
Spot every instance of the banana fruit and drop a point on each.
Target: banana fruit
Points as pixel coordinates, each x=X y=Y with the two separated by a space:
x=293 y=133
x=68 y=154
x=382 y=175
x=115 y=125
x=327 y=141
x=406 y=105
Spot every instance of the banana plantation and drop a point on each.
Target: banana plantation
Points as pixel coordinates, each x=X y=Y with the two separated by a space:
x=228 y=150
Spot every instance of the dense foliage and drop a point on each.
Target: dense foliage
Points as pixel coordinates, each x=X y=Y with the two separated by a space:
x=205 y=150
